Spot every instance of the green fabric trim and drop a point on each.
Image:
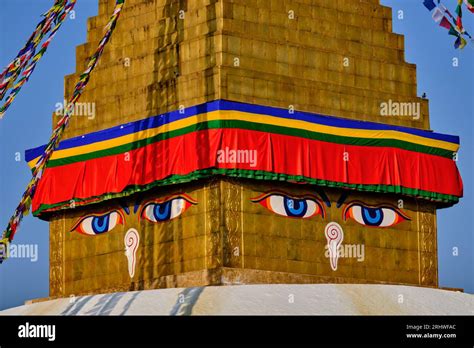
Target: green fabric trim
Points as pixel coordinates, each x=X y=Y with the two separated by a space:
x=249 y=174
x=256 y=127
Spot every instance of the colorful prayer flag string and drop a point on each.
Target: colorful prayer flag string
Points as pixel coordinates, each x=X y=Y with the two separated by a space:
x=25 y=202
x=26 y=59
x=12 y=69
x=441 y=15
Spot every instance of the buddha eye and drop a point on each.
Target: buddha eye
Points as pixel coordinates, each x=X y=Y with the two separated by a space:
x=383 y=216
x=295 y=207
x=161 y=211
x=98 y=224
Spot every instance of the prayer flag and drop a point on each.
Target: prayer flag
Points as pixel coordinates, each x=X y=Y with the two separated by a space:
x=444 y=8
x=460 y=42
x=445 y=23
x=438 y=15
x=453 y=31
x=429 y=4
x=459 y=24
x=470 y=5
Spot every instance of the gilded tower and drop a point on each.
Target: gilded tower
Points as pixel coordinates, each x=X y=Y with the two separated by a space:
x=244 y=141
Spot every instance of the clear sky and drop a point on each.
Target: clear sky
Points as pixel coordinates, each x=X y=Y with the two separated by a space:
x=28 y=124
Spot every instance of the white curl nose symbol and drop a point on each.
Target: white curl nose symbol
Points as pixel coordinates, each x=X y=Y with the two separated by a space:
x=334 y=236
x=131 y=240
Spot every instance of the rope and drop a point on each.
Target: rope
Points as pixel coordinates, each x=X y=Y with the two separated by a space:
x=25 y=202
x=26 y=59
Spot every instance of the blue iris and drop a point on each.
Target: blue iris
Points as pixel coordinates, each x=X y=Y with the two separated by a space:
x=295 y=207
x=372 y=216
x=162 y=211
x=100 y=224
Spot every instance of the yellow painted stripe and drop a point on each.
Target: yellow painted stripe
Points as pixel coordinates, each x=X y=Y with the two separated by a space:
x=256 y=118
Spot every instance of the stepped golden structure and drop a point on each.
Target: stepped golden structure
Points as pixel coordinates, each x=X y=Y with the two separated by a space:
x=322 y=57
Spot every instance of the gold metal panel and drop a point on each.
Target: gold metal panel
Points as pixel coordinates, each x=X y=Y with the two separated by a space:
x=158 y=61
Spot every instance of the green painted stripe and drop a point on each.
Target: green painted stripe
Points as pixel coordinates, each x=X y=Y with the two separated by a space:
x=227 y=124
x=255 y=175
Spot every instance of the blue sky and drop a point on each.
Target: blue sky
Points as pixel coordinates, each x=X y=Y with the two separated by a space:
x=450 y=92
x=28 y=124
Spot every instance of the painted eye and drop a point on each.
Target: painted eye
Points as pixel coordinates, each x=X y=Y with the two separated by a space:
x=301 y=207
x=166 y=210
x=98 y=224
x=374 y=216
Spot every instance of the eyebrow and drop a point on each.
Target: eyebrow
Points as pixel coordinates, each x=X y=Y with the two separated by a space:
x=124 y=207
x=127 y=209
x=342 y=199
x=137 y=204
x=324 y=197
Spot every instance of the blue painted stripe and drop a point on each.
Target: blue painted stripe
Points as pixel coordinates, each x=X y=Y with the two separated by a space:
x=333 y=121
x=127 y=128
x=157 y=121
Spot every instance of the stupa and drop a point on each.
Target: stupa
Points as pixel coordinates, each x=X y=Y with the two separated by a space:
x=246 y=142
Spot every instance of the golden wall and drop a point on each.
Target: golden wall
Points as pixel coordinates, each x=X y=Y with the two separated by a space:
x=337 y=58
x=226 y=238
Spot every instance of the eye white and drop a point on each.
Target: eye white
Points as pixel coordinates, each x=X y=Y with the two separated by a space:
x=357 y=214
x=149 y=212
x=86 y=225
x=113 y=219
x=277 y=205
x=311 y=208
x=177 y=207
x=389 y=217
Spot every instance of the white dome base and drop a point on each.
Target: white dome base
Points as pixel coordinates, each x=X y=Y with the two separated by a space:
x=317 y=299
